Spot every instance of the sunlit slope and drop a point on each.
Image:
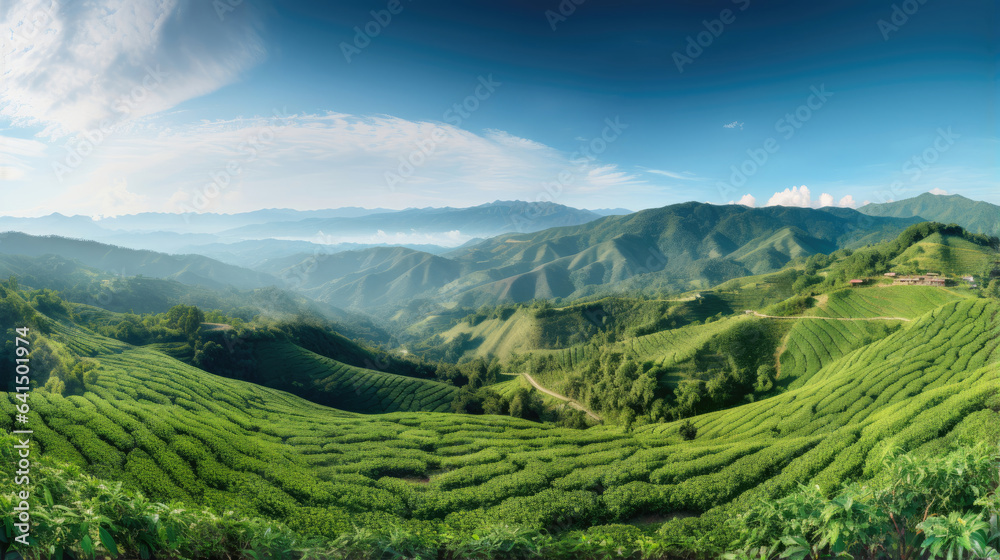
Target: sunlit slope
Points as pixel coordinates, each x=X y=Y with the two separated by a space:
x=947 y=254
x=771 y=252
x=906 y=302
x=812 y=344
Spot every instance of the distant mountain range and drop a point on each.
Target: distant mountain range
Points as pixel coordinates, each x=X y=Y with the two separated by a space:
x=434 y=230
x=973 y=215
x=485 y=220
x=679 y=247
x=549 y=250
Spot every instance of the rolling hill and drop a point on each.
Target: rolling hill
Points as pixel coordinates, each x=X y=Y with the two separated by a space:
x=975 y=216
x=675 y=248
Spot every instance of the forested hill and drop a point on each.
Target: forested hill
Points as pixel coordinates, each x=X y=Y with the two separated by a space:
x=973 y=215
x=674 y=248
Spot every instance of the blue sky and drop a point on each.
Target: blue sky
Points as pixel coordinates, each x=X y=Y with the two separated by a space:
x=227 y=106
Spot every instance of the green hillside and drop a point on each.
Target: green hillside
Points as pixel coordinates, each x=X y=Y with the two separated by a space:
x=973 y=215
x=907 y=302
x=680 y=247
x=178 y=433
x=333 y=383
x=946 y=254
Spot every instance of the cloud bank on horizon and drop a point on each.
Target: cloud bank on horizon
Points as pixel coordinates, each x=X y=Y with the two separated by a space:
x=801 y=197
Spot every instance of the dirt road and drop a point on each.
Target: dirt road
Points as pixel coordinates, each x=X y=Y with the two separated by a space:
x=571 y=402
x=751 y=312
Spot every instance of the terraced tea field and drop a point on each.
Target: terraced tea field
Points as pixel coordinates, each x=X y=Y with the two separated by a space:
x=813 y=344
x=177 y=432
x=884 y=301
x=352 y=388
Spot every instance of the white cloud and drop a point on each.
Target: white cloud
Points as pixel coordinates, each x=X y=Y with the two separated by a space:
x=746 y=200
x=802 y=197
x=937 y=190
x=733 y=124
x=71 y=65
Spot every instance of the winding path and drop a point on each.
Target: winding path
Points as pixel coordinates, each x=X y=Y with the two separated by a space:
x=751 y=312
x=571 y=402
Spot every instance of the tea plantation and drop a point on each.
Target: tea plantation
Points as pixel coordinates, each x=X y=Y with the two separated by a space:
x=175 y=432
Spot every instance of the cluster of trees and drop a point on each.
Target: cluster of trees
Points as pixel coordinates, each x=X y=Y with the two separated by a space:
x=523 y=403
x=75 y=381
x=619 y=386
x=733 y=366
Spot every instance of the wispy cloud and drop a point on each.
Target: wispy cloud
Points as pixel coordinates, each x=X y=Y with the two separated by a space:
x=312 y=160
x=734 y=124
x=72 y=65
x=684 y=176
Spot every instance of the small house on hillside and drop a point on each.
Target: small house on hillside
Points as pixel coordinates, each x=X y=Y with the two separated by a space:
x=889 y=275
x=857 y=282
x=926 y=280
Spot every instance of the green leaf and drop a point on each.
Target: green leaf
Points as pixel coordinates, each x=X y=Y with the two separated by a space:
x=108 y=542
x=87 y=544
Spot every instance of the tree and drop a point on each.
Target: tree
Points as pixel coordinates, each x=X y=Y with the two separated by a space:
x=766 y=375
x=688 y=431
x=526 y=404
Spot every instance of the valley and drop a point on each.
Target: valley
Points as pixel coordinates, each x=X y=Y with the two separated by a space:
x=432 y=406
